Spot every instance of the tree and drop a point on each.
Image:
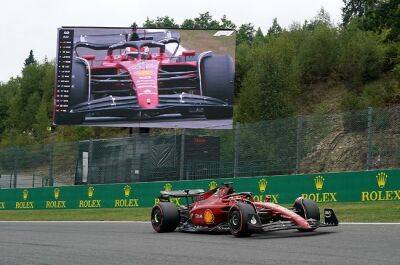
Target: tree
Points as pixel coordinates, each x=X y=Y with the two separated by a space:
x=275 y=29
x=374 y=15
x=356 y=9
x=188 y=24
x=31 y=59
x=160 y=22
x=205 y=21
x=226 y=23
x=259 y=37
x=245 y=33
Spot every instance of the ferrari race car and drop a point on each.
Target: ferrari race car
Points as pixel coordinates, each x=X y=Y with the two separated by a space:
x=149 y=76
x=223 y=210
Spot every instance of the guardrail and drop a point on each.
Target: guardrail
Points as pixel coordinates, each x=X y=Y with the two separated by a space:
x=365 y=186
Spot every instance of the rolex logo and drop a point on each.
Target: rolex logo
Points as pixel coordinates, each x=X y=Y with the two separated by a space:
x=90 y=192
x=25 y=194
x=319 y=182
x=127 y=190
x=212 y=185
x=262 y=185
x=168 y=187
x=381 y=179
x=56 y=193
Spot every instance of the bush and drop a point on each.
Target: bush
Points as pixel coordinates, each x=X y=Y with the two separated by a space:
x=361 y=56
x=318 y=54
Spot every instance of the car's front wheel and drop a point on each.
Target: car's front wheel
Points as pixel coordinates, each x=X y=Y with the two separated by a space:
x=239 y=218
x=308 y=209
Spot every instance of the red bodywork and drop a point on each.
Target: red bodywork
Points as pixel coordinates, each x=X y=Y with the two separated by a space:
x=219 y=202
x=144 y=70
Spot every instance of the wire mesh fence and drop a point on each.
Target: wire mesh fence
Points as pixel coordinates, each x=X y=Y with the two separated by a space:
x=360 y=140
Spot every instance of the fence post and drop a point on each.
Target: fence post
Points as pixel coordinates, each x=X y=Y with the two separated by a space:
x=182 y=158
x=33 y=180
x=50 y=165
x=298 y=140
x=369 y=138
x=236 y=150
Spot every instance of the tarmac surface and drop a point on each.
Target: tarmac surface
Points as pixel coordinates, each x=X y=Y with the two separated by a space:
x=136 y=243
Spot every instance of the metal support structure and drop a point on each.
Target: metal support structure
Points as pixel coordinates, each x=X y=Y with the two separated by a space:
x=298 y=142
x=50 y=179
x=236 y=150
x=182 y=156
x=369 y=139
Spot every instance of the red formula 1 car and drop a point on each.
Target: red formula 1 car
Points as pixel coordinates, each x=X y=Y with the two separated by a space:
x=222 y=210
x=140 y=79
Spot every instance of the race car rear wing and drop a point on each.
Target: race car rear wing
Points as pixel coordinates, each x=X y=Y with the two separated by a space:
x=180 y=193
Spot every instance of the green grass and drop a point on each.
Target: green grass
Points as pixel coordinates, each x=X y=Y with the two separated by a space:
x=346 y=212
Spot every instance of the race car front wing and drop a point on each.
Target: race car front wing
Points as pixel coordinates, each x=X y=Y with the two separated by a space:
x=167 y=104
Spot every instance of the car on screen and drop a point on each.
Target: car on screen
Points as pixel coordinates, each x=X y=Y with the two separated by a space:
x=142 y=77
x=222 y=210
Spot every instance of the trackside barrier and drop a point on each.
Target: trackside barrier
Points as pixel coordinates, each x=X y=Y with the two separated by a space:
x=366 y=186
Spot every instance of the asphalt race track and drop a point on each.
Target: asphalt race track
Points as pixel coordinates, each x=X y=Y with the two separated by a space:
x=136 y=243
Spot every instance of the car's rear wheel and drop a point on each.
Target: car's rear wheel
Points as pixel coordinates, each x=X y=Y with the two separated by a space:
x=217 y=81
x=308 y=209
x=165 y=217
x=238 y=219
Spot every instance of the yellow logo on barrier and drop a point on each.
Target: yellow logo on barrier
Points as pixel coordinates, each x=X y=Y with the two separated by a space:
x=127 y=190
x=168 y=187
x=90 y=192
x=381 y=195
x=212 y=185
x=381 y=179
x=56 y=193
x=319 y=182
x=25 y=194
x=262 y=185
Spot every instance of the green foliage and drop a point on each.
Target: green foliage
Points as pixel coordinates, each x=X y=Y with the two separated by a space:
x=268 y=83
x=374 y=15
x=160 y=22
x=361 y=56
x=245 y=34
x=275 y=29
x=30 y=59
x=318 y=54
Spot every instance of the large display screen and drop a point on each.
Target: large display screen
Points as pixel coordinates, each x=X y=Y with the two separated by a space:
x=130 y=77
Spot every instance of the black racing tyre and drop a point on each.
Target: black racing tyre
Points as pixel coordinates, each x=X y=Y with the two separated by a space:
x=308 y=209
x=217 y=77
x=238 y=219
x=165 y=217
x=79 y=90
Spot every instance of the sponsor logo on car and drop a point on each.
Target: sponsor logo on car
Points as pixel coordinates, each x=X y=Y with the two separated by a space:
x=208 y=216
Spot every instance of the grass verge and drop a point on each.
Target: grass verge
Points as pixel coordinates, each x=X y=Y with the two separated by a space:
x=346 y=212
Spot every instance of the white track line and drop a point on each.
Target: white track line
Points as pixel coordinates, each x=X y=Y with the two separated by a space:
x=148 y=222
x=89 y=222
x=346 y=223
